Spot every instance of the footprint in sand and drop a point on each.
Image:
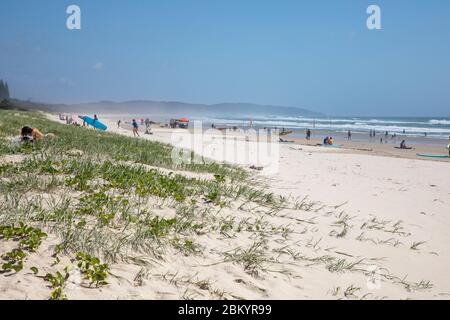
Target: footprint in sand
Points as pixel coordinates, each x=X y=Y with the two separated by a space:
x=252 y=286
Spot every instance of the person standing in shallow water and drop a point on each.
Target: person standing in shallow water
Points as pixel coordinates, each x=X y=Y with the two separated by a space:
x=308 y=134
x=448 y=147
x=349 y=135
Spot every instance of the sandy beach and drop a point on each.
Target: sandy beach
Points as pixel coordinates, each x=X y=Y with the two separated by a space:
x=380 y=189
x=225 y=151
x=359 y=225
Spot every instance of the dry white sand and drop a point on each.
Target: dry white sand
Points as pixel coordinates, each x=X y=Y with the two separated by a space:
x=416 y=192
x=388 y=204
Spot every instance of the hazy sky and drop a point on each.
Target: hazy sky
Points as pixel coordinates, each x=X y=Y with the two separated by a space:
x=316 y=54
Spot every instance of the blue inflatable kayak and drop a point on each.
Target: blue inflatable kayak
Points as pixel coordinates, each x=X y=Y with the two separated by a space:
x=95 y=123
x=432 y=155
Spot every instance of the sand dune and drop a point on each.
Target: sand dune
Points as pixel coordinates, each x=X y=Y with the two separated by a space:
x=360 y=227
x=384 y=190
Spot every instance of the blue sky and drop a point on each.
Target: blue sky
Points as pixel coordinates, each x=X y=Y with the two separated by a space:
x=313 y=54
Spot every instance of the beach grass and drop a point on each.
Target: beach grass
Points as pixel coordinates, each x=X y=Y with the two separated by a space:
x=106 y=199
x=98 y=193
x=99 y=144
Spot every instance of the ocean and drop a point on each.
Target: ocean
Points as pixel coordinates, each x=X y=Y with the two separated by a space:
x=438 y=128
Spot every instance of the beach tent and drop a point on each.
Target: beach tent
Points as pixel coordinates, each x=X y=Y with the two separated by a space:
x=179 y=123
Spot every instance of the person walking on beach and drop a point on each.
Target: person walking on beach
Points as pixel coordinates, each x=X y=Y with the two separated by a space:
x=135 y=128
x=448 y=147
x=349 y=135
x=118 y=124
x=308 y=134
x=148 y=129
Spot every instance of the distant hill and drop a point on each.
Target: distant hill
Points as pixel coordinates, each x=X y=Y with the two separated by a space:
x=173 y=108
x=169 y=108
x=14 y=104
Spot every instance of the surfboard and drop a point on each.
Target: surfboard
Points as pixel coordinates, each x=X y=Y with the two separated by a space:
x=432 y=155
x=331 y=145
x=95 y=123
x=285 y=133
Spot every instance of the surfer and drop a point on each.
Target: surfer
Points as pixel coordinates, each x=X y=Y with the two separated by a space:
x=135 y=128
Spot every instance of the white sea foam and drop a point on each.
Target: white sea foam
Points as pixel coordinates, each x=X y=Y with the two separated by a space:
x=415 y=126
x=440 y=122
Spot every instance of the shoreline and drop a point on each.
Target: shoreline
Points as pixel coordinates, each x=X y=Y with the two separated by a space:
x=359 y=144
x=384 y=184
x=356 y=226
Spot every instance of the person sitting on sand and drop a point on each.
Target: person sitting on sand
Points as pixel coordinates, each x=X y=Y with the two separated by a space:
x=403 y=146
x=135 y=128
x=326 y=140
x=331 y=141
x=32 y=134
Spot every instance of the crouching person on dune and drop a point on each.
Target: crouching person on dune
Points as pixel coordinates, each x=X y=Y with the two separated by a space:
x=32 y=134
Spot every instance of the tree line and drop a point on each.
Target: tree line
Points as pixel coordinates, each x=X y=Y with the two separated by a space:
x=4 y=90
